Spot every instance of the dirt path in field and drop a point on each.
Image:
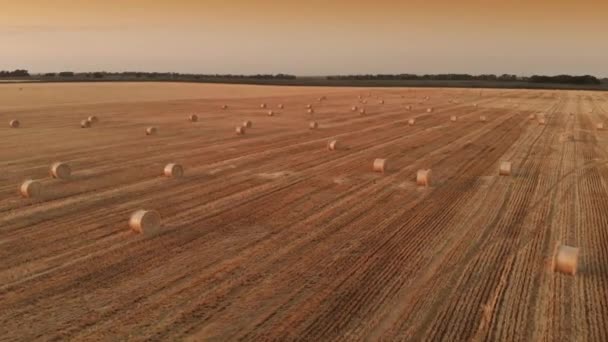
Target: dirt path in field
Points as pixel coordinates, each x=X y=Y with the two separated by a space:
x=271 y=236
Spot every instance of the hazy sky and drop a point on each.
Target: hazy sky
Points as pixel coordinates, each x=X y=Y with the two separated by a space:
x=306 y=37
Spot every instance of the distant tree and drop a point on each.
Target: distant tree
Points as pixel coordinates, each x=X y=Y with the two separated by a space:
x=66 y=74
x=98 y=75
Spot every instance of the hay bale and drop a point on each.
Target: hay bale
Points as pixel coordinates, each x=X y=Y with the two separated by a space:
x=411 y=122
x=482 y=118
x=14 y=123
x=247 y=124
x=240 y=130
x=380 y=165
x=263 y=106
x=93 y=119
x=309 y=106
x=423 y=177
x=541 y=121
x=381 y=102
x=429 y=110
x=151 y=131
x=408 y=107
x=60 y=170
x=145 y=221
x=270 y=113
x=85 y=123
x=362 y=111
x=30 y=188
x=600 y=126
x=311 y=111
x=531 y=117
x=364 y=101
x=332 y=145
x=280 y=106
x=313 y=125
x=193 y=118
x=353 y=108
x=453 y=118
x=504 y=169
x=565 y=259
x=173 y=170
x=224 y=107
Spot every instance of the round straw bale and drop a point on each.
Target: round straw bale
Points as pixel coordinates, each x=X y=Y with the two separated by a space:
x=14 y=124
x=381 y=101
x=280 y=106
x=453 y=118
x=411 y=122
x=30 y=188
x=353 y=108
x=151 y=131
x=247 y=124
x=380 y=165
x=60 y=170
x=263 y=105
x=362 y=111
x=308 y=106
x=224 y=107
x=173 y=170
x=364 y=101
x=600 y=126
x=423 y=177
x=270 y=113
x=332 y=145
x=145 y=221
x=313 y=125
x=193 y=118
x=541 y=121
x=408 y=107
x=482 y=118
x=85 y=123
x=429 y=110
x=531 y=117
x=565 y=259
x=311 y=111
x=93 y=119
x=240 y=130
x=504 y=169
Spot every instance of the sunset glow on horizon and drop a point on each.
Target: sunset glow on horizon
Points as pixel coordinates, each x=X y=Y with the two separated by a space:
x=306 y=38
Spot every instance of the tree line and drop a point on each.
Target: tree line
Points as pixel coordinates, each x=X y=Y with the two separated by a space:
x=165 y=75
x=14 y=73
x=564 y=79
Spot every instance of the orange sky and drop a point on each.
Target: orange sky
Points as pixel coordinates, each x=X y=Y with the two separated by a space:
x=306 y=37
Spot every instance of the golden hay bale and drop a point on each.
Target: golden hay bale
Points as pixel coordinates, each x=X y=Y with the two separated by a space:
x=224 y=107
x=308 y=106
x=270 y=113
x=263 y=105
x=362 y=111
x=93 y=119
x=411 y=122
x=151 y=131
x=364 y=101
x=280 y=106
x=240 y=130
x=423 y=177
x=429 y=110
x=600 y=126
x=541 y=121
x=30 y=188
x=482 y=118
x=565 y=259
x=145 y=221
x=313 y=125
x=173 y=170
x=60 y=170
x=453 y=118
x=475 y=105
x=14 y=124
x=353 y=108
x=381 y=102
x=380 y=165
x=247 y=124
x=504 y=169
x=85 y=123
x=193 y=118
x=408 y=107
x=311 y=111
x=332 y=145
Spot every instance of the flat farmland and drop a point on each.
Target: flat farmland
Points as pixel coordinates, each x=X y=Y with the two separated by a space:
x=271 y=236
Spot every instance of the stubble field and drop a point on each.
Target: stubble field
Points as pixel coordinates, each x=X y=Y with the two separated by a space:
x=269 y=235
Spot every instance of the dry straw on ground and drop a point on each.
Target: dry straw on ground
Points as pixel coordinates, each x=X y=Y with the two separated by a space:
x=30 y=188
x=380 y=165
x=145 y=221
x=423 y=177
x=565 y=259
x=60 y=170
x=505 y=168
x=173 y=170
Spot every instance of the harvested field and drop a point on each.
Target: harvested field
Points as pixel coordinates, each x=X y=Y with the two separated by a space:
x=270 y=236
